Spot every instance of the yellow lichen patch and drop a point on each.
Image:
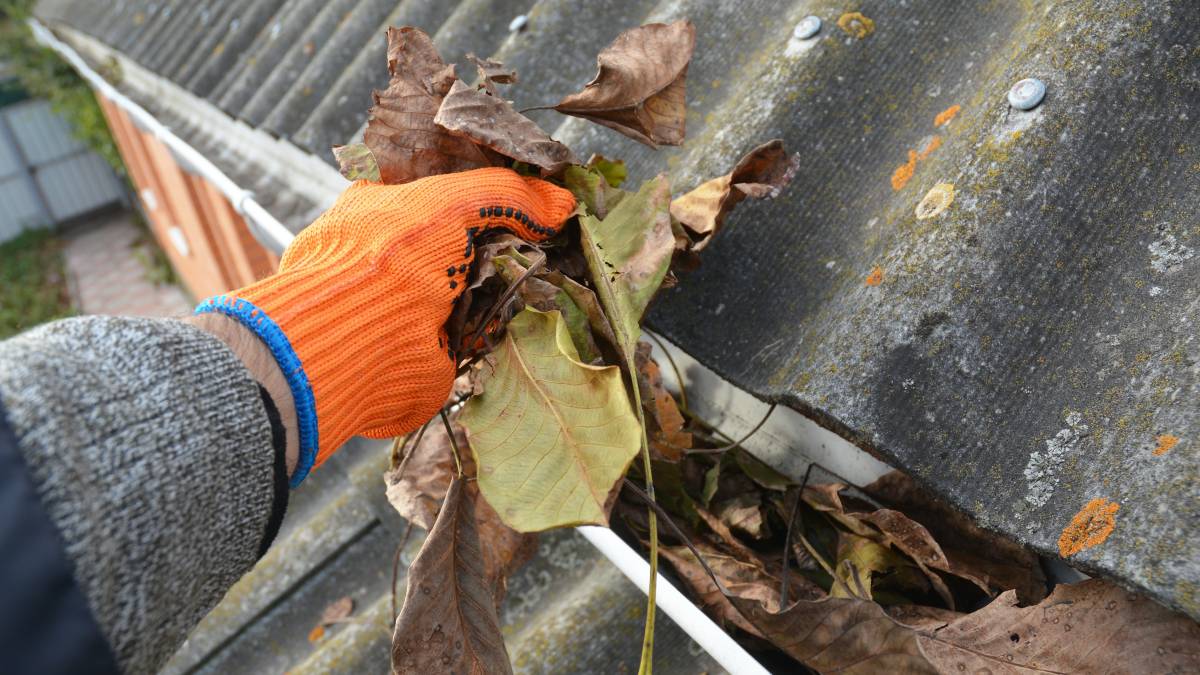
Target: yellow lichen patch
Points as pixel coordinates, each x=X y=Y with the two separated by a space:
x=946 y=115
x=875 y=277
x=938 y=199
x=904 y=172
x=1165 y=443
x=1090 y=527
x=933 y=144
x=856 y=25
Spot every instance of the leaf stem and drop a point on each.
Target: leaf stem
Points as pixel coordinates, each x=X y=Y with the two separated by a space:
x=787 y=539
x=647 y=663
x=453 y=443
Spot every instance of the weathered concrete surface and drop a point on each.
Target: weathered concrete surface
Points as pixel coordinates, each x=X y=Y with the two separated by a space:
x=1023 y=350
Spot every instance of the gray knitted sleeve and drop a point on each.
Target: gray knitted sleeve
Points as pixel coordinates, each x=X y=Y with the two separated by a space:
x=151 y=449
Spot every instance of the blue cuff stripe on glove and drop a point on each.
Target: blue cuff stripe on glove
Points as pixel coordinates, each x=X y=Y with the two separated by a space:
x=272 y=335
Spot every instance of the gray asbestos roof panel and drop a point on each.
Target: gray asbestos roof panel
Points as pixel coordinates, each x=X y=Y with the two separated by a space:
x=1024 y=349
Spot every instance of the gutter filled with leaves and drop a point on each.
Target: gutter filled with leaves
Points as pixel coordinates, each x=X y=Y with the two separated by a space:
x=558 y=396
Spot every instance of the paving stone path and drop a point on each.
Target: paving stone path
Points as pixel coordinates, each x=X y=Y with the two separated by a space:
x=108 y=278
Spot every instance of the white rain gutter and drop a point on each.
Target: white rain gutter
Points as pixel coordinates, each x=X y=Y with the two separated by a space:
x=271 y=233
x=265 y=225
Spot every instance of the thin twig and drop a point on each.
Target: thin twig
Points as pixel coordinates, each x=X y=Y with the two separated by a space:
x=683 y=403
x=675 y=528
x=724 y=448
x=787 y=539
x=453 y=443
x=396 y=566
x=508 y=293
x=411 y=449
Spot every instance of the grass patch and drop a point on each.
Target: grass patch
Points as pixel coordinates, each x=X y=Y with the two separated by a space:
x=33 y=282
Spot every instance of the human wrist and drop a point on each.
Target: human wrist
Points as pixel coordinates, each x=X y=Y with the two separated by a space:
x=263 y=367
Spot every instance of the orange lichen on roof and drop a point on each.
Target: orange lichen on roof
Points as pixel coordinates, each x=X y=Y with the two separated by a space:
x=1165 y=443
x=946 y=115
x=933 y=144
x=904 y=172
x=856 y=25
x=875 y=277
x=316 y=633
x=1090 y=527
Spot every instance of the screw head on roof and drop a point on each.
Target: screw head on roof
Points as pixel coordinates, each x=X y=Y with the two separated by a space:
x=1027 y=94
x=808 y=27
x=517 y=23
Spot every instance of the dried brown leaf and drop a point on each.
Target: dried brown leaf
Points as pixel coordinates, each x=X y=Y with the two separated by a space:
x=1087 y=627
x=337 y=611
x=970 y=549
x=418 y=485
x=664 y=422
x=744 y=513
x=762 y=172
x=492 y=73
x=709 y=597
x=492 y=122
x=640 y=86
x=725 y=536
x=401 y=133
x=504 y=549
x=448 y=622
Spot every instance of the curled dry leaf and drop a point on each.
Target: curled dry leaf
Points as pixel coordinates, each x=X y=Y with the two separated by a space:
x=550 y=435
x=1123 y=632
x=492 y=122
x=1003 y=564
x=492 y=72
x=401 y=133
x=898 y=531
x=448 y=622
x=664 y=422
x=337 y=611
x=640 y=86
x=356 y=162
x=417 y=486
x=744 y=514
x=762 y=172
x=544 y=296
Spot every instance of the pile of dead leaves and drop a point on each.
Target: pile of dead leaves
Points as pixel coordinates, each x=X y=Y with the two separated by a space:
x=882 y=579
x=557 y=396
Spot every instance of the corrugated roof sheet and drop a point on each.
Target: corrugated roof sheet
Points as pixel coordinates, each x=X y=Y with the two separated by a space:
x=1021 y=352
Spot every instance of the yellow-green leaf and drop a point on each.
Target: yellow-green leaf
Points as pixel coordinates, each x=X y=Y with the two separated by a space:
x=356 y=162
x=550 y=435
x=628 y=254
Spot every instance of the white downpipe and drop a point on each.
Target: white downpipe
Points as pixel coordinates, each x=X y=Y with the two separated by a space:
x=686 y=615
x=267 y=226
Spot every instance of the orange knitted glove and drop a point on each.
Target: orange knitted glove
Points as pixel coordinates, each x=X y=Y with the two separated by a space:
x=355 y=314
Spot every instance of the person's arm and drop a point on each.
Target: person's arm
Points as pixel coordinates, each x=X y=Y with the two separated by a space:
x=150 y=447
x=160 y=451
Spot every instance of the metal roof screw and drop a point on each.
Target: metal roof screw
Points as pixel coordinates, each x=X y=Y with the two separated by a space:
x=808 y=27
x=1027 y=94
x=517 y=23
